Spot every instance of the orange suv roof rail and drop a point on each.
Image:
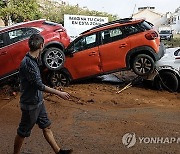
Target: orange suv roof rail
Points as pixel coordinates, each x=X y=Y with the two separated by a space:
x=121 y=21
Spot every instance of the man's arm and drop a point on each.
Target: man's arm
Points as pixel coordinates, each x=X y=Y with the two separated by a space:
x=61 y=94
x=34 y=78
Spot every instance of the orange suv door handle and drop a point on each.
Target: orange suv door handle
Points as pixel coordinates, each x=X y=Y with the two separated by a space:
x=123 y=45
x=92 y=53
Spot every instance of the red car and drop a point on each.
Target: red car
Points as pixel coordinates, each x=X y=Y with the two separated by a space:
x=14 y=45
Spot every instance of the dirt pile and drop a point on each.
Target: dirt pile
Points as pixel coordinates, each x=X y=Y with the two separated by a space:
x=96 y=118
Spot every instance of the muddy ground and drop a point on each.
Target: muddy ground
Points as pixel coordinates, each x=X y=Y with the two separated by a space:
x=96 y=118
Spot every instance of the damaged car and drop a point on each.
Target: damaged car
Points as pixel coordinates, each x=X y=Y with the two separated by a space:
x=167 y=72
x=114 y=46
x=14 y=45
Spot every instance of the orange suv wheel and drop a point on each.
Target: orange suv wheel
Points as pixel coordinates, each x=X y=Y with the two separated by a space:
x=143 y=65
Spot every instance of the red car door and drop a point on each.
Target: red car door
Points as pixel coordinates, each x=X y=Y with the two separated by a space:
x=85 y=60
x=6 y=62
x=113 y=49
x=19 y=44
x=18 y=51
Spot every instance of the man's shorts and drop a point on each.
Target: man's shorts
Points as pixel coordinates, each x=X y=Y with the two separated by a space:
x=30 y=118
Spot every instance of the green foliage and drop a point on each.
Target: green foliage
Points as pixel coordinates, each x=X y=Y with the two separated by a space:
x=19 y=10
x=175 y=42
x=56 y=14
x=50 y=12
x=2 y=4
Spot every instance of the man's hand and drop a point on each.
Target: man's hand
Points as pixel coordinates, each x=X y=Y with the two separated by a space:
x=63 y=95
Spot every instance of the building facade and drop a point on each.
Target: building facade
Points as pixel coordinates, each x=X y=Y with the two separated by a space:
x=175 y=24
x=149 y=14
x=168 y=20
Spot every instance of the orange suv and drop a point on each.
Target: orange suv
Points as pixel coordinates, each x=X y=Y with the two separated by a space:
x=118 y=45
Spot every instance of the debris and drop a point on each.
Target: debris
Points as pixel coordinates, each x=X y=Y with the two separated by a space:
x=126 y=87
x=114 y=102
x=110 y=78
x=74 y=99
x=14 y=93
x=90 y=101
x=133 y=82
x=7 y=98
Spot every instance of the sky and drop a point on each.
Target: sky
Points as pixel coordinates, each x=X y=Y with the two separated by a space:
x=124 y=8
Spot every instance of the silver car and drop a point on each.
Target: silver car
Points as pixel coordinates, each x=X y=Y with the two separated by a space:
x=166 y=35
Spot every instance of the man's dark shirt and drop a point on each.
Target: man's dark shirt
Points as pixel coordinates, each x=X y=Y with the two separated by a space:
x=30 y=83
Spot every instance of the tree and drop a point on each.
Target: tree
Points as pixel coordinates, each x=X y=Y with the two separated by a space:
x=19 y=10
x=50 y=11
x=55 y=12
x=4 y=11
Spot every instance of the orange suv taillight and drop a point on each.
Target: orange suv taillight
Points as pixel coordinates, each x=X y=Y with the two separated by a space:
x=151 y=35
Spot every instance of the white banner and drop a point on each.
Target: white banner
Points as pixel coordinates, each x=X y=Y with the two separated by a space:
x=76 y=24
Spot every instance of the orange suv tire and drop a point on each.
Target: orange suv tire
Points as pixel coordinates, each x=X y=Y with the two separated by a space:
x=58 y=78
x=143 y=65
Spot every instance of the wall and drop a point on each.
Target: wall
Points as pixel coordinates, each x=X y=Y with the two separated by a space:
x=151 y=16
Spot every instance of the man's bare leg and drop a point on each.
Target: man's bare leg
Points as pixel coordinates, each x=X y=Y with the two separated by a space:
x=18 y=144
x=50 y=139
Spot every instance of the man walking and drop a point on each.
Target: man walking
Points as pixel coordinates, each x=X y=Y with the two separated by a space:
x=31 y=100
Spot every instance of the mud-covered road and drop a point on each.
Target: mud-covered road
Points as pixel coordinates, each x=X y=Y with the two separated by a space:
x=96 y=118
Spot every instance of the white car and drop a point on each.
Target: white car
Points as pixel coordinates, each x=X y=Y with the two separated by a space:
x=167 y=72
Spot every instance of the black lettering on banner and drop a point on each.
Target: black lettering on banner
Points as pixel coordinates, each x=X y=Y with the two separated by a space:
x=84 y=19
x=70 y=18
x=83 y=23
x=74 y=22
x=90 y=19
x=77 y=18
x=86 y=23
x=99 y=19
